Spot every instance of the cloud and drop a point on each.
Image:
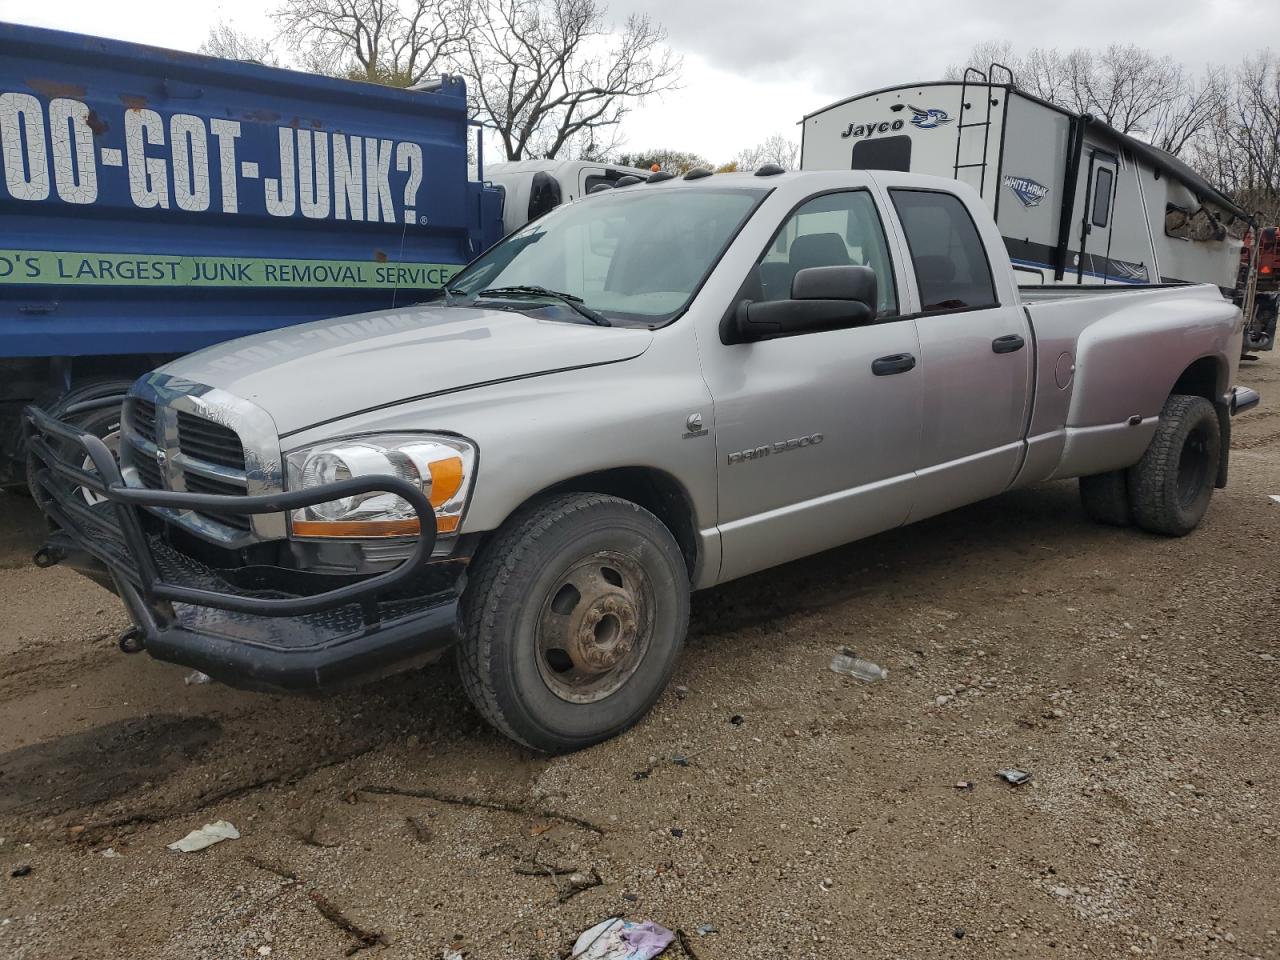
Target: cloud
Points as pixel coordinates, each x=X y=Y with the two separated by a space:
x=754 y=67
x=839 y=48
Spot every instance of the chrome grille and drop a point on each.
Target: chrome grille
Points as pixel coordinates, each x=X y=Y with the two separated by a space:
x=148 y=471
x=211 y=442
x=198 y=484
x=208 y=458
x=181 y=434
x=142 y=415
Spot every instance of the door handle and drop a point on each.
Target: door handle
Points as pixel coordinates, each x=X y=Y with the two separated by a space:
x=895 y=363
x=1010 y=343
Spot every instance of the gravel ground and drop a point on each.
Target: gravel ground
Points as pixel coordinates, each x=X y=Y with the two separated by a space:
x=815 y=816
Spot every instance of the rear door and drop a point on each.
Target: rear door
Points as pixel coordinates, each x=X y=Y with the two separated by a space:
x=976 y=353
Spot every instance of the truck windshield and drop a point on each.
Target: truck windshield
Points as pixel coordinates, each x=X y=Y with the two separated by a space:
x=631 y=256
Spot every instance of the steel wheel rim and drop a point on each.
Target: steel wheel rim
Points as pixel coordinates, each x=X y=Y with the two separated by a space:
x=595 y=627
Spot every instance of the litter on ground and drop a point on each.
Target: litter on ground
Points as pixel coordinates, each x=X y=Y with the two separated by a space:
x=618 y=939
x=206 y=836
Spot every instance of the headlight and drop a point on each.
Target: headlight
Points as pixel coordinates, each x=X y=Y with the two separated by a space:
x=442 y=466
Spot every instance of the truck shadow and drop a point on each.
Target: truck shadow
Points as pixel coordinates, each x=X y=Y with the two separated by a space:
x=1005 y=531
x=102 y=763
x=22 y=530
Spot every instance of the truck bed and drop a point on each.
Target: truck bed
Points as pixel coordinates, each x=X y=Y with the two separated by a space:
x=1045 y=293
x=1105 y=364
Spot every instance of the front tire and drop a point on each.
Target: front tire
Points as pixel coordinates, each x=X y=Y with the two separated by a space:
x=573 y=620
x=1171 y=485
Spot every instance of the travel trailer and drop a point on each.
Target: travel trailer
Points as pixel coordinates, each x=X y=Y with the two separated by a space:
x=1075 y=200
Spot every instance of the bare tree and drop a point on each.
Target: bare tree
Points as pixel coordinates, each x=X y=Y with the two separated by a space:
x=226 y=41
x=778 y=149
x=1240 y=149
x=981 y=56
x=393 y=42
x=546 y=75
x=1178 y=125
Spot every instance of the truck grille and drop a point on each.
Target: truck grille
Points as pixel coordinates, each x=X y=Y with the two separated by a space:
x=205 y=447
x=209 y=441
x=143 y=417
x=148 y=471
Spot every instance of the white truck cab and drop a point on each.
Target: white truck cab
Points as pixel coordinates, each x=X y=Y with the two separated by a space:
x=534 y=187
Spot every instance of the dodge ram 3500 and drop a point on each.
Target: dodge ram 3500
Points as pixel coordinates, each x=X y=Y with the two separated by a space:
x=649 y=391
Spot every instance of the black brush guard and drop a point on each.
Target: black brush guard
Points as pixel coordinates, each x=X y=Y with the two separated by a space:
x=254 y=636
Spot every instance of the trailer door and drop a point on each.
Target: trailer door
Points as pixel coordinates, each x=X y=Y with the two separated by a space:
x=1095 y=226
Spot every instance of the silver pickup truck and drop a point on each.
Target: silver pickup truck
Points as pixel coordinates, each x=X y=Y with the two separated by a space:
x=652 y=390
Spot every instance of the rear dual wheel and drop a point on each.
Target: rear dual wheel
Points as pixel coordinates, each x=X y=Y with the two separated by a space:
x=1169 y=489
x=573 y=619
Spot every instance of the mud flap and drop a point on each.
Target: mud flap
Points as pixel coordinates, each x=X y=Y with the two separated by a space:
x=1224 y=440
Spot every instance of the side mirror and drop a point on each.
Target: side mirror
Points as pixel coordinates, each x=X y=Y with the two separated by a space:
x=822 y=298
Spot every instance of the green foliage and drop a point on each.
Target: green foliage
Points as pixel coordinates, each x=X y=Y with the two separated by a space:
x=674 y=161
x=387 y=76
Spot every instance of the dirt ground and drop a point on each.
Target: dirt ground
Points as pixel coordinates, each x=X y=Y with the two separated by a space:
x=815 y=816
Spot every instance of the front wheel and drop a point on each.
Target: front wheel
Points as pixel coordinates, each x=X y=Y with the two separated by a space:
x=573 y=619
x=1170 y=487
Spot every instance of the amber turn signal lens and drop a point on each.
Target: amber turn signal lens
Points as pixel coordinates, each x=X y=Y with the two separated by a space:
x=446 y=481
x=368 y=529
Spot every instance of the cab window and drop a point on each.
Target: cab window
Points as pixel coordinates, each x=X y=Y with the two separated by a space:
x=949 y=259
x=836 y=229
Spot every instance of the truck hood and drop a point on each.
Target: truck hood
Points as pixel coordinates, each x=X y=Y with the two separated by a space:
x=330 y=369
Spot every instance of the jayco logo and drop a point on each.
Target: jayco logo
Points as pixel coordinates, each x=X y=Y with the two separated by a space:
x=928 y=118
x=1027 y=190
x=870 y=129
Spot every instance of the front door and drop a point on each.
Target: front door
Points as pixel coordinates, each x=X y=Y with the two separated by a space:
x=815 y=447
x=976 y=356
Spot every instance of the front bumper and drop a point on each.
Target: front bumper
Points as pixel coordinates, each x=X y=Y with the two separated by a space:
x=259 y=628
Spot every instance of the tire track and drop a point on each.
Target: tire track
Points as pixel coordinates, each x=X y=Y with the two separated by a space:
x=1248 y=443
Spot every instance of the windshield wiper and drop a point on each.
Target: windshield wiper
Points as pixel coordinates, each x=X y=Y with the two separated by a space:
x=568 y=299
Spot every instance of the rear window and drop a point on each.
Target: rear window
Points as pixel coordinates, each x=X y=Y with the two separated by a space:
x=886 y=153
x=951 y=264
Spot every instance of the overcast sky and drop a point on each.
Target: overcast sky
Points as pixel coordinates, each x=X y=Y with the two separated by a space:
x=755 y=67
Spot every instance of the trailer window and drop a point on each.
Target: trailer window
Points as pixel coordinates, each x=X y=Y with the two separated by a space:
x=1102 y=185
x=886 y=153
x=951 y=264
x=838 y=229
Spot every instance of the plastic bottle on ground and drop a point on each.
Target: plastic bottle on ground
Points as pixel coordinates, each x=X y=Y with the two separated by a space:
x=847 y=663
